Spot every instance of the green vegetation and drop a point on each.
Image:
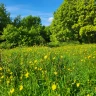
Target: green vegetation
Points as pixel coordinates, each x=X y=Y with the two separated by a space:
x=74 y=20
x=43 y=71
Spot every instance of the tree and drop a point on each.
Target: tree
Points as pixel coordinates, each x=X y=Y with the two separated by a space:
x=11 y=35
x=45 y=33
x=17 y=21
x=4 y=17
x=71 y=17
x=64 y=18
x=30 y=21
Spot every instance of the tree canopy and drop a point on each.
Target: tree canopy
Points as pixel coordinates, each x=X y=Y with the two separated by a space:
x=71 y=17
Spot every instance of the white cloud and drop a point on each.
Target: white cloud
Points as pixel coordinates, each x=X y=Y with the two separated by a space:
x=50 y=19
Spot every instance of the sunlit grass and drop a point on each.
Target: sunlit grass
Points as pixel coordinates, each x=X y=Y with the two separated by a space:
x=43 y=71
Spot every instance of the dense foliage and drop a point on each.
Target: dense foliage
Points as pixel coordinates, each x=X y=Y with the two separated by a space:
x=75 y=20
x=20 y=31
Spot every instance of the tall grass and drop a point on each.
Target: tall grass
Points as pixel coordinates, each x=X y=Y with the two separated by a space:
x=43 y=71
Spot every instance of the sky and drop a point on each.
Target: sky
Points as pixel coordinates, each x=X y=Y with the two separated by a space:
x=42 y=8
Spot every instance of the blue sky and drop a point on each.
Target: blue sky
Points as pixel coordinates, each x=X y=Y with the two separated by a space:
x=42 y=8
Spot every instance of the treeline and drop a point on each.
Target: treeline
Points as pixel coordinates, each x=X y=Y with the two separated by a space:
x=27 y=31
x=74 y=20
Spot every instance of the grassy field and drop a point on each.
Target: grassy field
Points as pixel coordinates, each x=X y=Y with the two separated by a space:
x=43 y=71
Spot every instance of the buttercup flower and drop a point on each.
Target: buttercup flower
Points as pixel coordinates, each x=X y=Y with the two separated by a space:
x=21 y=87
x=12 y=91
x=54 y=87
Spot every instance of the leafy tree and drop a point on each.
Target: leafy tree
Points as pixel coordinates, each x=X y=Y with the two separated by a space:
x=17 y=21
x=11 y=35
x=45 y=33
x=30 y=21
x=88 y=34
x=4 y=17
x=34 y=36
x=64 y=18
x=71 y=17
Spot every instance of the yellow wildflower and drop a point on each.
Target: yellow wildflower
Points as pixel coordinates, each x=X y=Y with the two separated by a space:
x=35 y=61
x=35 y=68
x=55 y=73
x=21 y=87
x=78 y=84
x=8 y=82
x=54 y=87
x=61 y=56
x=1 y=68
x=12 y=90
x=88 y=95
x=45 y=57
x=53 y=58
x=2 y=76
x=27 y=75
x=89 y=57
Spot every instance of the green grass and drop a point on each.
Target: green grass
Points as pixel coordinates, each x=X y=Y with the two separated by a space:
x=44 y=71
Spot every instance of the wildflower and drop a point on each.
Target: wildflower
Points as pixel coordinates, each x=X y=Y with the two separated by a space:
x=10 y=73
x=1 y=68
x=55 y=73
x=89 y=57
x=21 y=77
x=61 y=56
x=78 y=84
x=27 y=75
x=40 y=69
x=21 y=87
x=88 y=95
x=35 y=61
x=45 y=57
x=30 y=62
x=11 y=77
x=2 y=77
x=35 y=68
x=8 y=82
x=12 y=90
x=54 y=87
x=53 y=58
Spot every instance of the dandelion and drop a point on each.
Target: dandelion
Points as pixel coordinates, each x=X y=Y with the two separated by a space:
x=78 y=84
x=27 y=75
x=12 y=90
x=21 y=87
x=54 y=87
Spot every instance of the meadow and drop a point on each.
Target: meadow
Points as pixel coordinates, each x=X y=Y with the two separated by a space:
x=43 y=71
